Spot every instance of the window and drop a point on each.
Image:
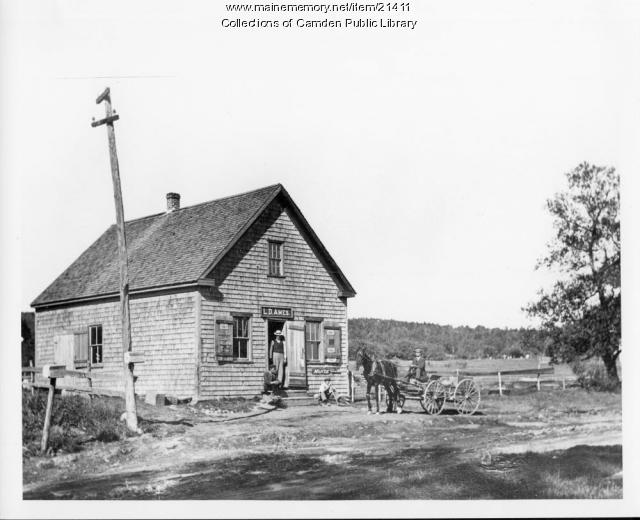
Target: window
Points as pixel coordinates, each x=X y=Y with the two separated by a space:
x=312 y=339
x=240 y=337
x=276 y=267
x=95 y=344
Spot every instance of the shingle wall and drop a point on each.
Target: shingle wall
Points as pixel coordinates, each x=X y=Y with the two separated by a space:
x=242 y=285
x=162 y=327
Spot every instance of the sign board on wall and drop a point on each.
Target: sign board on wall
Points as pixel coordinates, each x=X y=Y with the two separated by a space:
x=325 y=371
x=332 y=345
x=277 y=312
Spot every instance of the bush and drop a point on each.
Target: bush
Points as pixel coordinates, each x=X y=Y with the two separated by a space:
x=593 y=377
x=436 y=353
x=515 y=352
x=74 y=420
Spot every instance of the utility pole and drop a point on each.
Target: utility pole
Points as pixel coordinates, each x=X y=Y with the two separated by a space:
x=129 y=392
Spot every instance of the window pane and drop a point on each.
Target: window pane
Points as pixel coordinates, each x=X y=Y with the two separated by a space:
x=245 y=328
x=275 y=258
x=240 y=337
x=99 y=334
x=92 y=335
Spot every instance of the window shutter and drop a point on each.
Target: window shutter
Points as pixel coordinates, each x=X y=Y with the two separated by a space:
x=81 y=348
x=224 y=338
x=332 y=346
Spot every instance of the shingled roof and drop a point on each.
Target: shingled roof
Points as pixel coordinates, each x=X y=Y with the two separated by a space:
x=170 y=249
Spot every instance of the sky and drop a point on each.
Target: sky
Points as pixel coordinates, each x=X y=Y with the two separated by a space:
x=422 y=158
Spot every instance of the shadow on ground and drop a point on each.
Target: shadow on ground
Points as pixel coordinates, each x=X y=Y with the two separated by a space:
x=437 y=473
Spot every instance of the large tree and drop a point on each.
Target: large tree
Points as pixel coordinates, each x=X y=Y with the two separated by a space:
x=582 y=311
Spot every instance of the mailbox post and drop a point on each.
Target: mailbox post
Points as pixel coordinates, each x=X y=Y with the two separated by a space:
x=50 y=372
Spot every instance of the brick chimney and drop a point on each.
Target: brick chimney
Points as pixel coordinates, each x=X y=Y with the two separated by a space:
x=173 y=202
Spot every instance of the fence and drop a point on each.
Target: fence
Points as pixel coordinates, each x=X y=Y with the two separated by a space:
x=490 y=381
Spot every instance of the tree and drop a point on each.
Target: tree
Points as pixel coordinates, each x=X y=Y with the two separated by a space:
x=581 y=313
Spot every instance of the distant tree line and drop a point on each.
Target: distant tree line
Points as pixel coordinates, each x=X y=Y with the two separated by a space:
x=399 y=339
x=28 y=326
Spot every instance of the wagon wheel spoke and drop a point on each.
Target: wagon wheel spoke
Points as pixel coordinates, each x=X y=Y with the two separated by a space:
x=433 y=398
x=466 y=397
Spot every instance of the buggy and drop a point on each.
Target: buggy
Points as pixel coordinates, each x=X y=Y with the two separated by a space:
x=435 y=391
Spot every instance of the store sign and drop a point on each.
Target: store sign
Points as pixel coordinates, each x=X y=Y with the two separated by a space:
x=325 y=371
x=277 y=312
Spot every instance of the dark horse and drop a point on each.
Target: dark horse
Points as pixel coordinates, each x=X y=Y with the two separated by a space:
x=378 y=372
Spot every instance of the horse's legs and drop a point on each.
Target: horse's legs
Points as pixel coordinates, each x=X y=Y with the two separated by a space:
x=392 y=397
x=368 y=396
x=399 y=405
x=377 y=391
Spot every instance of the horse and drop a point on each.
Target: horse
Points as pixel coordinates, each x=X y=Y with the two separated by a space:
x=378 y=372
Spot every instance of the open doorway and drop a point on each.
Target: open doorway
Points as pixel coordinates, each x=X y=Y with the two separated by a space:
x=272 y=327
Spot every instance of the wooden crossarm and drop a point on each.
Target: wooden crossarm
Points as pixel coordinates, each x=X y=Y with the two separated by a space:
x=103 y=96
x=105 y=121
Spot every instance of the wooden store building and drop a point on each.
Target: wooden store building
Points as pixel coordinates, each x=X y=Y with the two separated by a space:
x=209 y=286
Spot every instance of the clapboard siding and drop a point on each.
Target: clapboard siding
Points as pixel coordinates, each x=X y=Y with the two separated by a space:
x=242 y=285
x=162 y=328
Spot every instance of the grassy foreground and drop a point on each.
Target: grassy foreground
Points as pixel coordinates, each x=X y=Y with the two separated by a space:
x=75 y=420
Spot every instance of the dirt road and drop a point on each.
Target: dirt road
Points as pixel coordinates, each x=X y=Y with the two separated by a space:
x=536 y=446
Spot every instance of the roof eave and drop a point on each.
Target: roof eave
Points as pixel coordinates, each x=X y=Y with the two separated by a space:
x=106 y=296
x=242 y=231
x=346 y=289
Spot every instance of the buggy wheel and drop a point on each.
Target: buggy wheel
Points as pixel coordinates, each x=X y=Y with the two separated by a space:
x=433 y=397
x=466 y=397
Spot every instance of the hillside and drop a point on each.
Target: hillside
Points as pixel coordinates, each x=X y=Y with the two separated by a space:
x=391 y=338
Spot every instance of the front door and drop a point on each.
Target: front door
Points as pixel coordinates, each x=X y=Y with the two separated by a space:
x=296 y=370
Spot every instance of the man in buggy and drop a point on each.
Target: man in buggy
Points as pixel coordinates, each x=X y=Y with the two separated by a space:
x=417 y=369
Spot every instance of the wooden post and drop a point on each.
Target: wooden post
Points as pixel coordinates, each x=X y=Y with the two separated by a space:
x=129 y=390
x=538 y=381
x=353 y=388
x=47 y=416
x=499 y=383
x=564 y=386
x=32 y=377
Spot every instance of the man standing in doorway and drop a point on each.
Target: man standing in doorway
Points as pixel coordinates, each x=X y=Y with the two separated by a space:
x=278 y=354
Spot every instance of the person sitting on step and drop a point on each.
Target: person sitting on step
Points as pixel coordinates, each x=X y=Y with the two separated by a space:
x=326 y=391
x=271 y=383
